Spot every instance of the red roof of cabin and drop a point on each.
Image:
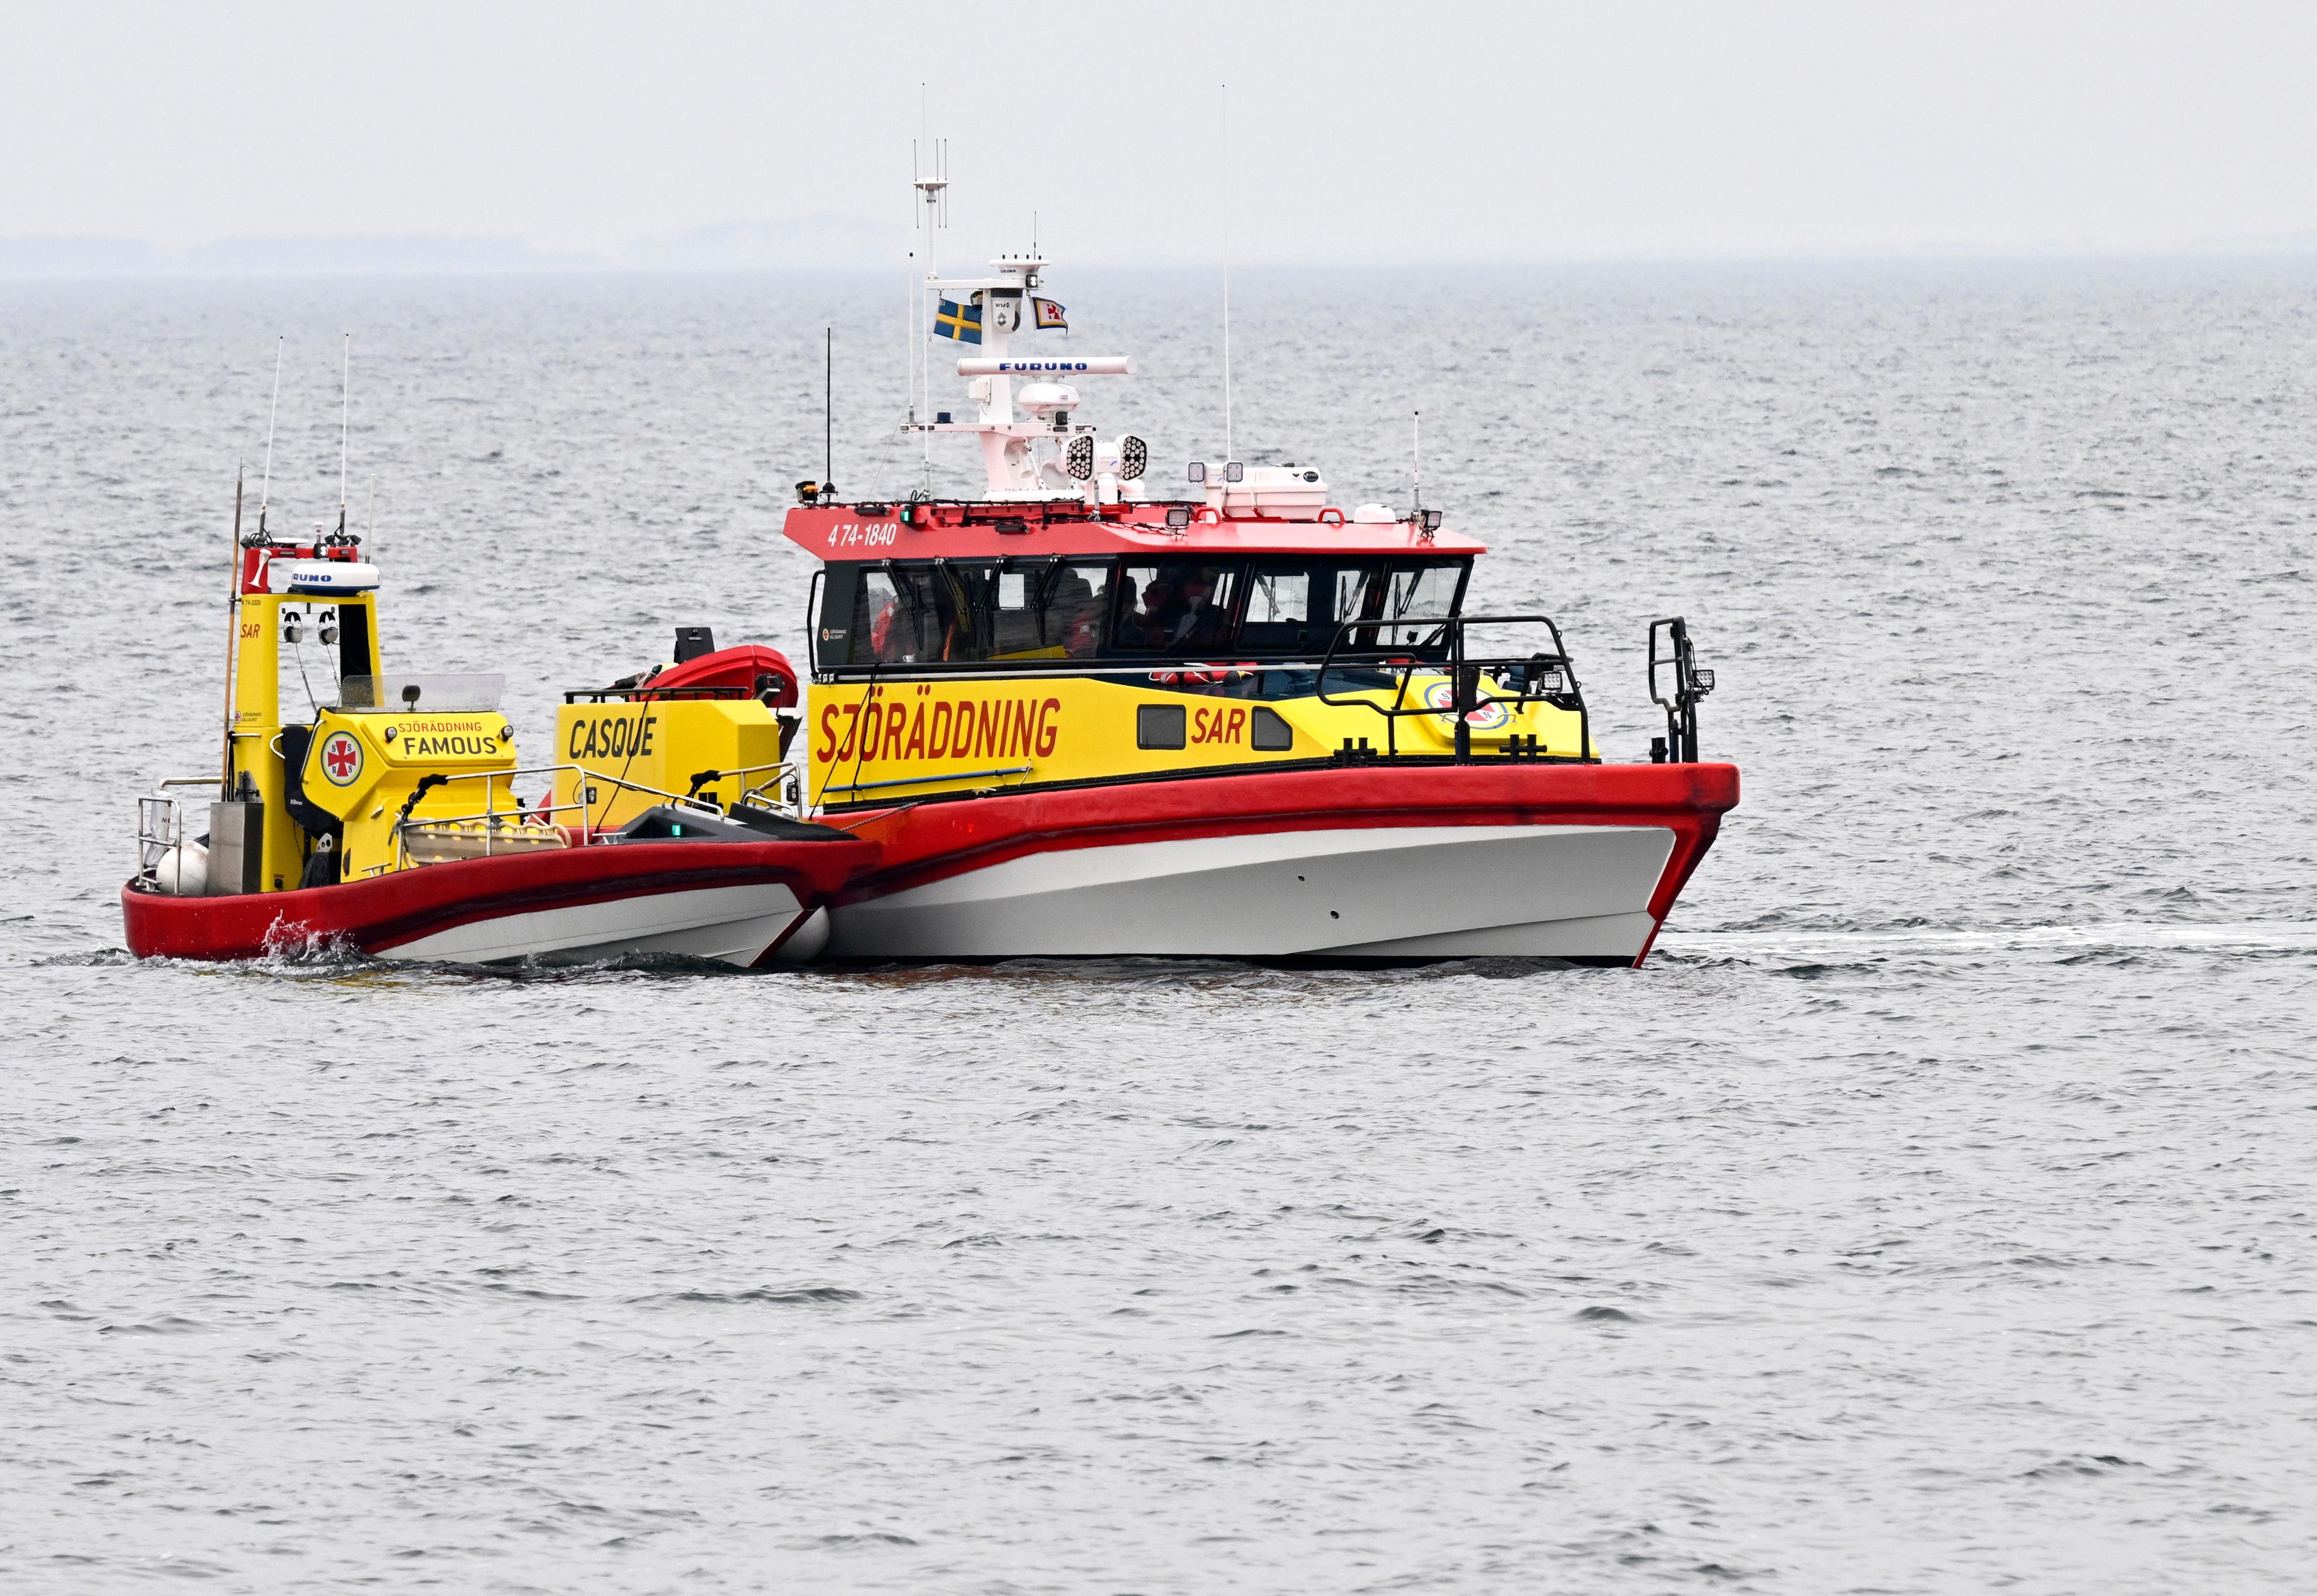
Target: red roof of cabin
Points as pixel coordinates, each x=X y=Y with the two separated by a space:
x=979 y=531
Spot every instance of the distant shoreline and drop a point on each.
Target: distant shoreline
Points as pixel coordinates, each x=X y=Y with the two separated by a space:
x=27 y=261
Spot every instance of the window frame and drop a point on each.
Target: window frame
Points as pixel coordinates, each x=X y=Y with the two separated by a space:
x=839 y=584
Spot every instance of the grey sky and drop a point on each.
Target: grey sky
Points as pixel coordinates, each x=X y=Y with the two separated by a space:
x=1360 y=132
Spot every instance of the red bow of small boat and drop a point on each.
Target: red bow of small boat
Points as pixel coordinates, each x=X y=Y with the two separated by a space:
x=710 y=900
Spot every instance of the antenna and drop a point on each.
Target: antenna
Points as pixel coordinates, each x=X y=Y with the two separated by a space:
x=232 y=631
x=909 y=339
x=1416 y=438
x=921 y=378
x=1226 y=210
x=265 y=492
x=828 y=406
x=345 y=409
x=933 y=188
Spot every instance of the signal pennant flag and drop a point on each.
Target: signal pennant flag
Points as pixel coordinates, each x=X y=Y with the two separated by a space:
x=1048 y=314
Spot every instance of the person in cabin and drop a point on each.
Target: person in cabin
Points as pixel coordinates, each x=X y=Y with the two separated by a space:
x=881 y=629
x=1149 y=627
x=1200 y=623
x=1074 y=615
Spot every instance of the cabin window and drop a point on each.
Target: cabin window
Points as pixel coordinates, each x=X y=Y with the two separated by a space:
x=1161 y=726
x=1012 y=598
x=1269 y=733
x=1275 y=595
x=1279 y=599
x=888 y=618
x=1400 y=592
x=1077 y=598
x=1032 y=609
x=1049 y=609
x=1180 y=608
x=354 y=640
x=957 y=612
x=945 y=612
x=1355 y=591
x=1427 y=592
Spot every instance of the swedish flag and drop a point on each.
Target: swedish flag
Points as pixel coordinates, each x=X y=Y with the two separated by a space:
x=961 y=322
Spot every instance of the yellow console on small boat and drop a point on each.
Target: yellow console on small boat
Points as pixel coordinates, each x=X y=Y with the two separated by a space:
x=374 y=767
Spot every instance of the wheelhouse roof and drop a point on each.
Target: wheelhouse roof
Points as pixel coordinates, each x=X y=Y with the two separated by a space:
x=978 y=529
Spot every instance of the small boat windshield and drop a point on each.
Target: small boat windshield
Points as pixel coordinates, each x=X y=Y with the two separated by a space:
x=403 y=693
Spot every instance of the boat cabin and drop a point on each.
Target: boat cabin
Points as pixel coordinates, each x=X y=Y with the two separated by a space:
x=962 y=647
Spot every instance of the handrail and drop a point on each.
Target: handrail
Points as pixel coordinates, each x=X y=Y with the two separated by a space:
x=491 y=814
x=617 y=781
x=160 y=826
x=701 y=778
x=1690 y=683
x=1466 y=673
x=1123 y=666
x=919 y=781
x=644 y=692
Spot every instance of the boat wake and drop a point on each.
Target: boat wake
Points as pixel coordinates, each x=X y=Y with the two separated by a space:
x=2121 y=937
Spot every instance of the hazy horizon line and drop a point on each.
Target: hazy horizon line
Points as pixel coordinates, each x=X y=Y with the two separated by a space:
x=833 y=245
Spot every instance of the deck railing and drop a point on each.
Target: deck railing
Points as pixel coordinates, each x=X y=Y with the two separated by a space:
x=527 y=825
x=1543 y=676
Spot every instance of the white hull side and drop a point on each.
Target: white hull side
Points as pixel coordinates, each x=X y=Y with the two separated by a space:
x=1434 y=891
x=734 y=924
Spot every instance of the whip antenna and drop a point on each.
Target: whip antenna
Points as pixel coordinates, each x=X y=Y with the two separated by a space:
x=232 y=631
x=929 y=174
x=265 y=490
x=345 y=409
x=828 y=406
x=1416 y=439
x=1226 y=208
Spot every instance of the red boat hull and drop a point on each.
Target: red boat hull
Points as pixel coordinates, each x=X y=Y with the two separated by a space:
x=1379 y=862
x=711 y=898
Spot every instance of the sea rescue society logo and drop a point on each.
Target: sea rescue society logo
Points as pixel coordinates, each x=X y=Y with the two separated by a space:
x=1485 y=716
x=341 y=758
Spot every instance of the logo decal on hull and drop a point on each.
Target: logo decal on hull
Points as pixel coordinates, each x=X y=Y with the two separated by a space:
x=1487 y=716
x=341 y=758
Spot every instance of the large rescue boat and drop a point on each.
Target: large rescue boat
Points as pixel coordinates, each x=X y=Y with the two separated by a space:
x=388 y=821
x=1081 y=719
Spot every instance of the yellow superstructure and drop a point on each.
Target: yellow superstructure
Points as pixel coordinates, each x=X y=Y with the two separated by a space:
x=365 y=768
x=716 y=749
x=321 y=794
x=255 y=764
x=891 y=742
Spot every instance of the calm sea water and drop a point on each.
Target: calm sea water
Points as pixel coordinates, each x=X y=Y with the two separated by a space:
x=1934 y=1214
